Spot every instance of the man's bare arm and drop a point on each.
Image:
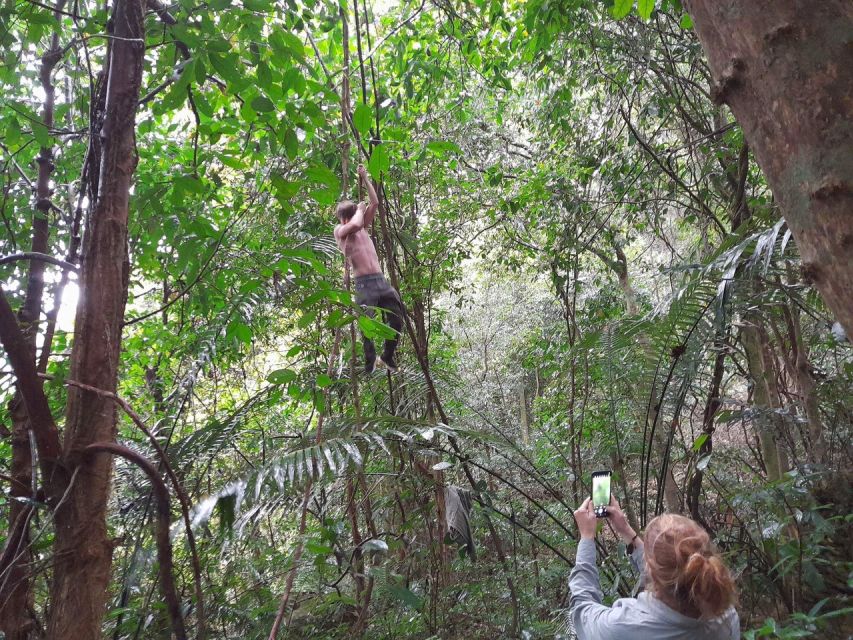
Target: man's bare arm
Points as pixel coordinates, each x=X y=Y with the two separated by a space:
x=356 y=223
x=373 y=199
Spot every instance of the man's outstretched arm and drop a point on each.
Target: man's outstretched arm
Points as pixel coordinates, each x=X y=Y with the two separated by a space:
x=373 y=199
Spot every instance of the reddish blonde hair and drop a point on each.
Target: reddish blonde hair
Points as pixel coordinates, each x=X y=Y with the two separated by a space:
x=685 y=569
x=345 y=209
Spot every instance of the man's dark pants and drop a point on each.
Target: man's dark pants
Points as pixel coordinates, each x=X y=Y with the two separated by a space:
x=374 y=291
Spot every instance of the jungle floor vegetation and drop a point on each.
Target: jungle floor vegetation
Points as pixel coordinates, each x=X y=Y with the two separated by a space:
x=622 y=235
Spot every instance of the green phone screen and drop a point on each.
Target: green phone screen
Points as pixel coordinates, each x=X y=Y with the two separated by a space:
x=601 y=490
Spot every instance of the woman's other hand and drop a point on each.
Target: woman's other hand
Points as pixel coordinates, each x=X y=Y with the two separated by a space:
x=585 y=518
x=618 y=521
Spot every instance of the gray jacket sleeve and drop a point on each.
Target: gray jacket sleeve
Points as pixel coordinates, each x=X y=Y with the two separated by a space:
x=592 y=619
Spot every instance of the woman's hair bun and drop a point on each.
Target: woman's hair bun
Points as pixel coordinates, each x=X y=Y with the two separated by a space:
x=684 y=565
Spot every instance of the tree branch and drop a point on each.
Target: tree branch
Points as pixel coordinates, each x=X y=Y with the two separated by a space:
x=36 y=255
x=24 y=366
x=183 y=499
x=164 y=545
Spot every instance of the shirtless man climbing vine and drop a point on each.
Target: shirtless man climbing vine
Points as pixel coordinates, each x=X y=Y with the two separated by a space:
x=371 y=288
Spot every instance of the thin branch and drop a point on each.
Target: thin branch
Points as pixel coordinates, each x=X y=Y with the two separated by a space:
x=179 y=491
x=164 y=545
x=55 y=10
x=42 y=257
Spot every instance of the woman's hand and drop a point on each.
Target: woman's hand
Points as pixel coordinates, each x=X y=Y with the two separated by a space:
x=585 y=518
x=618 y=521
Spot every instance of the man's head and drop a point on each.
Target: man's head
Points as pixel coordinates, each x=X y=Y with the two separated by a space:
x=346 y=210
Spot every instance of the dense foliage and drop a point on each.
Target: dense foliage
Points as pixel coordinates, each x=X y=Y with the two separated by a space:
x=596 y=276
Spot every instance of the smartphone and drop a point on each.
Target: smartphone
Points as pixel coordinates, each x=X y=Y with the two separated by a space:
x=600 y=493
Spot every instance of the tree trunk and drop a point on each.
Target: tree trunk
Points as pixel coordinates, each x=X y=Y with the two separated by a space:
x=783 y=68
x=83 y=550
x=759 y=372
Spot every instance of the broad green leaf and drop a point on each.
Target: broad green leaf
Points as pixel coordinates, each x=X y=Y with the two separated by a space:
x=239 y=330
x=374 y=329
x=406 y=596
x=686 y=21
x=323 y=175
x=291 y=144
x=442 y=147
x=323 y=381
x=284 y=189
x=281 y=376
x=262 y=104
x=41 y=134
x=621 y=8
x=379 y=162
x=227 y=66
x=645 y=8
x=294 y=80
x=362 y=118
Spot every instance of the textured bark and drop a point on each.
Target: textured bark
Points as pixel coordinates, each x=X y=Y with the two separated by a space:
x=83 y=550
x=765 y=425
x=801 y=370
x=783 y=66
x=16 y=598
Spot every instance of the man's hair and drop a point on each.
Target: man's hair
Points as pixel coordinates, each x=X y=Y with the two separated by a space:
x=684 y=565
x=346 y=210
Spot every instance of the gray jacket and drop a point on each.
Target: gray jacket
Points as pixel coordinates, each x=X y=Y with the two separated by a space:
x=641 y=618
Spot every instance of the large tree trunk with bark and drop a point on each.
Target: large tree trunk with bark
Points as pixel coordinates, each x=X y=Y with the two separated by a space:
x=783 y=66
x=83 y=550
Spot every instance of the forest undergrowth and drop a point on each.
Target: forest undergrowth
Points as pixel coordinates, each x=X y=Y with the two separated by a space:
x=621 y=233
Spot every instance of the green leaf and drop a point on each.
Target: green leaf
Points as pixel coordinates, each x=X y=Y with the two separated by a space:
x=407 y=597
x=291 y=144
x=281 y=376
x=621 y=8
x=323 y=381
x=362 y=118
x=700 y=441
x=645 y=8
x=317 y=548
x=240 y=331
x=686 y=21
x=41 y=134
x=227 y=66
x=374 y=329
x=323 y=175
x=293 y=79
x=262 y=104
x=379 y=162
x=442 y=147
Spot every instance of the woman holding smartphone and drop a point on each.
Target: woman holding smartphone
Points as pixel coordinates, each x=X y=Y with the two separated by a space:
x=689 y=591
